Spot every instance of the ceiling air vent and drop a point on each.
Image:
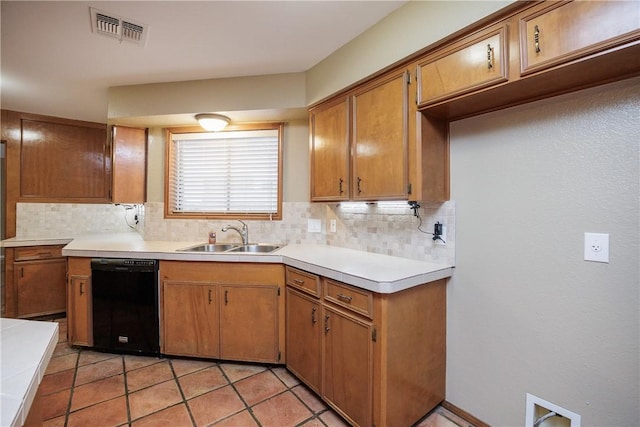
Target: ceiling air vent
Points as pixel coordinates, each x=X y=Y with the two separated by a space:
x=111 y=25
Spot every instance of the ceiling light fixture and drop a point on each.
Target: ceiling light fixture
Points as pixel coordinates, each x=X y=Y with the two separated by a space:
x=212 y=122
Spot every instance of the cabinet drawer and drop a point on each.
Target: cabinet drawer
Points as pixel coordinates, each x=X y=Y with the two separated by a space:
x=357 y=300
x=304 y=281
x=557 y=32
x=472 y=64
x=37 y=252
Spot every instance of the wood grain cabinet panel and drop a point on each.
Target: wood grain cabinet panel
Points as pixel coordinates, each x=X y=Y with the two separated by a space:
x=79 y=305
x=468 y=65
x=329 y=151
x=379 y=145
x=129 y=158
x=557 y=32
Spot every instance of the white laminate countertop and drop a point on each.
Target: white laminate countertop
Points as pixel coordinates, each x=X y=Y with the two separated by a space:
x=26 y=348
x=374 y=272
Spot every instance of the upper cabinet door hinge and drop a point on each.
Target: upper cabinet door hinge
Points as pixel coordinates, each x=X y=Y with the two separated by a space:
x=374 y=335
x=408 y=77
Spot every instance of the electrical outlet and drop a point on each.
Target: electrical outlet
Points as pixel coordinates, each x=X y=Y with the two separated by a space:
x=314 y=226
x=596 y=247
x=333 y=225
x=440 y=234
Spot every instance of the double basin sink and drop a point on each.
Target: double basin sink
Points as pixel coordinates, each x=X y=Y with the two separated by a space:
x=232 y=248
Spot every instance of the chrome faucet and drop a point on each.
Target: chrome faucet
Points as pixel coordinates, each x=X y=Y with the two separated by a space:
x=244 y=232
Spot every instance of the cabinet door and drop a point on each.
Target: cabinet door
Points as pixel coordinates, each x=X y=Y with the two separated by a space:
x=380 y=114
x=348 y=365
x=129 y=165
x=304 y=338
x=79 y=309
x=329 y=151
x=190 y=319
x=41 y=287
x=558 y=32
x=469 y=65
x=249 y=323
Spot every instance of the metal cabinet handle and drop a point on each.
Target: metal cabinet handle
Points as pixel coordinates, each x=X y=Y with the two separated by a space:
x=489 y=57
x=536 y=38
x=210 y=296
x=326 y=323
x=359 y=180
x=21 y=272
x=340 y=185
x=226 y=297
x=345 y=298
x=44 y=254
x=313 y=315
x=81 y=288
x=298 y=281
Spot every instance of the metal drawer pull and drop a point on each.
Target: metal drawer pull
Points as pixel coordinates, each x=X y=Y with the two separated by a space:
x=298 y=281
x=345 y=298
x=47 y=254
x=326 y=324
x=210 y=296
x=340 y=183
x=226 y=297
x=359 y=180
x=489 y=57
x=81 y=288
x=536 y=38
x=313 y=315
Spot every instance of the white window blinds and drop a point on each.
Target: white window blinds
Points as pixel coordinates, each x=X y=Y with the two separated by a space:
x=232 y=172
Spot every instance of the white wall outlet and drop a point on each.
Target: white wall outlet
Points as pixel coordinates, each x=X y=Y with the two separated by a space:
x=443 y=240
x=314 y=226
x=596 y=247
x=333 y=225
x=537 y=408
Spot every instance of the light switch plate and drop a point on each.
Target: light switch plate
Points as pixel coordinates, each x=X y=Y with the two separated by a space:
x=314 y=226
x=596 y=247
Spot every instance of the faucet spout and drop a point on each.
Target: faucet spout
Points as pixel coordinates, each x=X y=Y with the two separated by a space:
x=244 y=232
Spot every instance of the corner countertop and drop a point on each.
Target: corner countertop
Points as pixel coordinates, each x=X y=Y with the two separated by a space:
x=26 y=349
x=371 y=271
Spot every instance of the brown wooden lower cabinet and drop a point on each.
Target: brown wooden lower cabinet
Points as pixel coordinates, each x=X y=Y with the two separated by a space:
x=35 y=281
x=232 y=311
x=79 y=306
x=377 y=359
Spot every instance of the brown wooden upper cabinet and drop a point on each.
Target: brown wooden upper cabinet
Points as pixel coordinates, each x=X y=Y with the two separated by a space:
x=61 y=160
x=329 y=160
x=380 y=139
x=129 y=157
x=553 y=33
x=473 y=63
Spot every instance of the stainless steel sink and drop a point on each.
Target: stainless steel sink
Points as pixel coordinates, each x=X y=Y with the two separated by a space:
x=255 y=248
x=218 y=247
x=230 y=247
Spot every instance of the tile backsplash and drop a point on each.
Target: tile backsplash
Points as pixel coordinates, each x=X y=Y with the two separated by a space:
x=386 y=228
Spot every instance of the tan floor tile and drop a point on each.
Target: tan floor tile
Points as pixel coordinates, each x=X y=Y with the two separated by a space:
x=331 y=419
x=152 y=399
x=62 y=363
x=237 y=372
x=55 y=422
x=148 y=376
x=286 y=377
x=184 y=366
x=440 y=417
x=106 y=414
x=56 y=382
x=201 y=382
x=175 y=416
x=309 y=398
x=215 y=406
x=88 y=357
x=137 y=362
x=282 y=410
x=243 y=419
x=259 y=387
x=313 y=423
x=64 y=348
x=98 y=371
x=97 y=391
x=55 y=404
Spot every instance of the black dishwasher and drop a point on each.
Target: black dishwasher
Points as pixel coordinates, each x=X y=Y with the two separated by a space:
x=125 y=305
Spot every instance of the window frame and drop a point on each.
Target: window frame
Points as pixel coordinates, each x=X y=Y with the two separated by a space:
x=168 y=175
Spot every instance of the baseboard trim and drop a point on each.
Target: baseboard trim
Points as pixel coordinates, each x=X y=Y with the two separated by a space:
x=463 y=414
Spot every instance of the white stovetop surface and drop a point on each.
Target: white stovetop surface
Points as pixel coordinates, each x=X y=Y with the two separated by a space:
x=375 y=272
x=26 y=347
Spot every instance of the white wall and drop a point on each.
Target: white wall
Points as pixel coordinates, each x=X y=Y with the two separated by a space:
x=525 y=312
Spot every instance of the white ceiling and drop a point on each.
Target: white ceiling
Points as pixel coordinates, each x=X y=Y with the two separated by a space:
x=53 y=64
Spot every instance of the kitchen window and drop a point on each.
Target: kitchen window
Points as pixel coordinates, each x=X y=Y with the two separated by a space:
x=232 y=174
